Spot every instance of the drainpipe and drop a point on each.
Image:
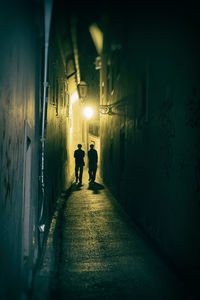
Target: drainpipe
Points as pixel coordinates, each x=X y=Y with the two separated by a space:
x=48 y=4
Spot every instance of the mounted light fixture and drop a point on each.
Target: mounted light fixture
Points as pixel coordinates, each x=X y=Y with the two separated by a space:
x=82 y=89
x=105 y=109
x=98 y=63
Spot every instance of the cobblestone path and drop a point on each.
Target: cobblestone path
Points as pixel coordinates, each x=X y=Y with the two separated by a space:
x=94 y=251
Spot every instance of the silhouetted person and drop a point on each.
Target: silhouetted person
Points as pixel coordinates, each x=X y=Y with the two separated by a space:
x=79 y=163
x=92 y=159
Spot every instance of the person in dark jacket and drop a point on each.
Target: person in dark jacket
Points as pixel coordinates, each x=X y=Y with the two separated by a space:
x=92 y=160
x=79 y=163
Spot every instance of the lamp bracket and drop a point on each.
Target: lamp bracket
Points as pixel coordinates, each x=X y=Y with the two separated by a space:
x=105 y=109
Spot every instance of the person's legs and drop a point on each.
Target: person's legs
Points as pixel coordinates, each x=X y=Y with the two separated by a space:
x=93 y=169
x=81 y=174
x=76 y=173
x=94 y=172
x=90 y=173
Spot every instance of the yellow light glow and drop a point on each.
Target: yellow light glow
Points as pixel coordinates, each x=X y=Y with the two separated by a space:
x=74 y=97
x=97 y=36
x=88 y=112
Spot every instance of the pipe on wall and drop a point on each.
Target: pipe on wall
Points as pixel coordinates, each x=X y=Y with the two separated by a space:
x=48 y=5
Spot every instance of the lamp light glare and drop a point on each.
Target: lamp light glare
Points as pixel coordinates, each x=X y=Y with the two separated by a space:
x=88 y=112
x=74 y=97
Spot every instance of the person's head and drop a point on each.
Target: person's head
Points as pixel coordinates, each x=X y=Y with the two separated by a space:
x=79 y=146
x=91 y=146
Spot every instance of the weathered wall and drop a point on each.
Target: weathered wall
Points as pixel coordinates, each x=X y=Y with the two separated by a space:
x=150 y=144
x=59 y=168
x=21 y=87
x=19 y=135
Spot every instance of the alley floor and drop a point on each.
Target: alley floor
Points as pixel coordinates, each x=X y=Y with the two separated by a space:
x=94 y=251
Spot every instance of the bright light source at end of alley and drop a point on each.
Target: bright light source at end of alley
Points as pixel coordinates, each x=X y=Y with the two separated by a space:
x=88 y=112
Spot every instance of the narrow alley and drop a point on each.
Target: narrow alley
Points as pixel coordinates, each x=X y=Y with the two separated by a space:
x=95 y=251
x=107 y=88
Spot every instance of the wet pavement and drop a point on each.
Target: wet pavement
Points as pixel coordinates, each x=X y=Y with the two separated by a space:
x=94 y=251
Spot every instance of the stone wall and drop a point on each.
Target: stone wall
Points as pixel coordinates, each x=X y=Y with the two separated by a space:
x=20 y=67
x=60 y=126
x=150 y=142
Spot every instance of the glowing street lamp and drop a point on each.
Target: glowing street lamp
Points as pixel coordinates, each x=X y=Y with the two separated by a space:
x=88 y=112
x=82 y=89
